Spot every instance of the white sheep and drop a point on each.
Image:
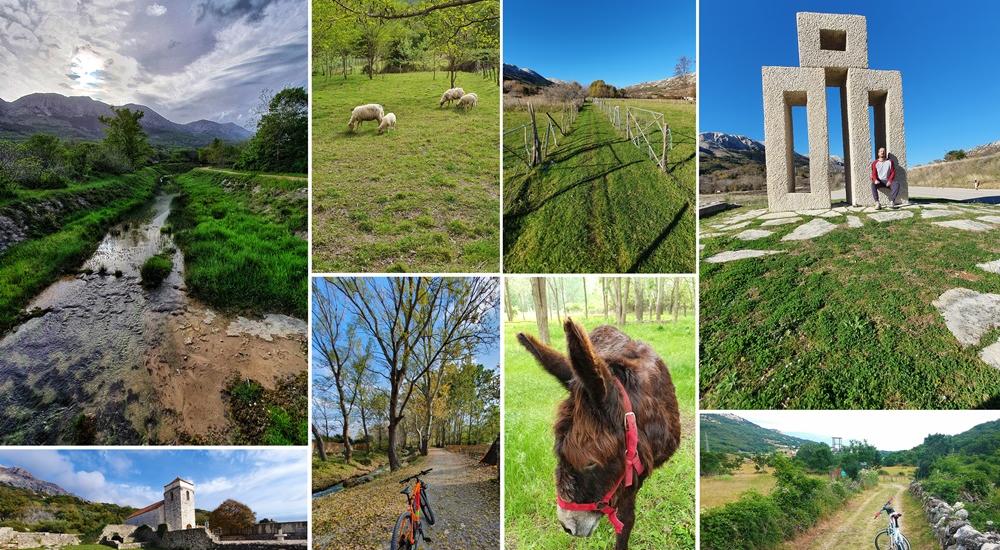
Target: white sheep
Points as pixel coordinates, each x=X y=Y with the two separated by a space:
x=388 y=122
x=468 y=100
x=451 y=95
x=361 y=113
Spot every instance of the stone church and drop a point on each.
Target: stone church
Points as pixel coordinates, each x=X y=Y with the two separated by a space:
x=176 y=510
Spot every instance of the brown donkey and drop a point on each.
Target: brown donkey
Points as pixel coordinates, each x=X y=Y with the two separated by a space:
x=619 y=422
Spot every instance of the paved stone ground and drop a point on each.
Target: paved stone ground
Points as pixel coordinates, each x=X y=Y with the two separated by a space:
x=969 y=315
x=465 y=498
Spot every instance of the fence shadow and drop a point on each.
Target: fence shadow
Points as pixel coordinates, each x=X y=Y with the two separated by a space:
x=649 y=250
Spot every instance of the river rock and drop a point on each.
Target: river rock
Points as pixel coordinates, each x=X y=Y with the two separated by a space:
x=267 y=328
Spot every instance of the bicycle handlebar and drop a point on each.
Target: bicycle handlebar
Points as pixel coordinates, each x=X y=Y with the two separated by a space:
x=884 y=506
x=414 y=476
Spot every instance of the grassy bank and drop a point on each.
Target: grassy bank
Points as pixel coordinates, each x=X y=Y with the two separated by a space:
x=422 y=197
x=335 y=469
x=28 y=267
x=665 y=505
x=243 y=240
x=599 y=205
x=260 y=416
x=845 y=320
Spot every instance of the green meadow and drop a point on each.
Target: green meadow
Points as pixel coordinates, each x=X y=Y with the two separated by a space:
x=422 y=197
x=665 y=515
x=600 y=205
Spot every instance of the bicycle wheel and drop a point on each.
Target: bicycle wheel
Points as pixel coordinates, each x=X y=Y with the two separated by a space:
x=425 y=507
x=401 y=534
x=903 y=543
x=882 y=540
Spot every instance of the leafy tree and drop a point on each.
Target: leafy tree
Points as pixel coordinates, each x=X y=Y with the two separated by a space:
x=231 y=517
x=281 y=141
x=219 y=153
x=457 y=33
x=955 y=154
x=815 y=456
x=124 y=134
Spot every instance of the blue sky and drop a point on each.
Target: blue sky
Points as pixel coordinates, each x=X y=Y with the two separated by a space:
x=621 y=42
x=272 y=482
x=949 y=94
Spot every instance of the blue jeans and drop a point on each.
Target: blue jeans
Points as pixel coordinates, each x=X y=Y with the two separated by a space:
x=893 y=190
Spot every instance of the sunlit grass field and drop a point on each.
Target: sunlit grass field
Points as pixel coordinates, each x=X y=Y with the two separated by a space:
x=423 y=197
x=665 y=506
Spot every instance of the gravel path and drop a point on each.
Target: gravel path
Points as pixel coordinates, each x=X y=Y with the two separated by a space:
x=465 y=498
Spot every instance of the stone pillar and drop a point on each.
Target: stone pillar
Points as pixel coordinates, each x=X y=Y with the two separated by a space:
x=178 y=505
x=784 y=88
x=882 y=90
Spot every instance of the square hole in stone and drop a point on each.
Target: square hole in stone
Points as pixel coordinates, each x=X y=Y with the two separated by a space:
x=833 y=39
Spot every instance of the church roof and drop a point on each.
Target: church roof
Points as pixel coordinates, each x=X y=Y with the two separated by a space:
x=149 y=508
x=176 y=479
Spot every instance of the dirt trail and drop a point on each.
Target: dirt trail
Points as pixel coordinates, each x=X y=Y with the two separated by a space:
x=272 y=176
x=465 y=498
x=853 y=527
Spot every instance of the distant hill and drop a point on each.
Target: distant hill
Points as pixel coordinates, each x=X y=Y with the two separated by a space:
x=22 y=479
x=525 y=76
x=76 y=117
x=982 y=163
x=675 y=87
x=728 y=433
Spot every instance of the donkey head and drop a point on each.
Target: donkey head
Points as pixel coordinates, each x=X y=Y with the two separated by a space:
x=589 y=430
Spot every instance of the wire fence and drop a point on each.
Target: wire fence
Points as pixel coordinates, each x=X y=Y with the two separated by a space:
x=647 y=130
x=530 y=144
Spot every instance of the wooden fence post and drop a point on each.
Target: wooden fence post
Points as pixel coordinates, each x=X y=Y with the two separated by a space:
x=536 y=144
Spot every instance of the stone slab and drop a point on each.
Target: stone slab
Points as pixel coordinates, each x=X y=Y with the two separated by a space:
x=776 y=215
x=989 y=219
x=992 y=267
x=967 y=225
x=937 y=213
x=854 y=221
x=891 y=215
x=969 y=314
x=732 y=255
x=832 y=40
x=753 y=234
x=991 y=355
x=781 y=221
x=810 y=230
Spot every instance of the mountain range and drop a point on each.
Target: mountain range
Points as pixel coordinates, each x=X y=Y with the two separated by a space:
x=673 y=87
x=22 y=479
x=728 y=433
x=77 y=118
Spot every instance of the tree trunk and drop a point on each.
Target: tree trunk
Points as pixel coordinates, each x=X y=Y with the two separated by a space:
x=640 y=297
x=319 y=443
x=348 y=448
x=674 y=305
x=506 y=301
x=586 y=305
x=492 y=456
x=659 y=298
x=619 y=308
x=562 y=291
x=604 y=295
x=541 y=308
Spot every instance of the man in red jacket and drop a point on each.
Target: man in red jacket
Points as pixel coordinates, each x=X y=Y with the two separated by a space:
x=884 y=175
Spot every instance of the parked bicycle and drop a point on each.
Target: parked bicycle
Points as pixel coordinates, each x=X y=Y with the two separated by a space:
x=408 y=531
x=891 y=538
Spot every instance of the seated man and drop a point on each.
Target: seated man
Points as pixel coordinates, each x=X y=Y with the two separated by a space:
x=884 y=175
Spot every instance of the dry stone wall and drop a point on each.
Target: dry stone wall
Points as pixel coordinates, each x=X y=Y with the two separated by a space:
x=11 y=539
x=950 y=524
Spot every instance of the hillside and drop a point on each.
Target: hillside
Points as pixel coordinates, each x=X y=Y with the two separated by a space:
x=675 y=87
x=982 y=164
x=77 y=117
x=728 y=433
x=524 y=75
x=20 y=478
x=27 y=510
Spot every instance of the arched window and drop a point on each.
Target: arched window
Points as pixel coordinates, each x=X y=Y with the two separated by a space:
x=189 y=495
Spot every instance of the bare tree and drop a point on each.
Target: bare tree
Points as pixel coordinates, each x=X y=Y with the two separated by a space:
x=684 y=66
x=541 y=308
x=402 y=314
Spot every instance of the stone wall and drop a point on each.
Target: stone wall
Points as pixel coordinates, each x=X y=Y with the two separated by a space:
x=950 y=524
x=12 y=539
x=200 y=539
x=267 y=531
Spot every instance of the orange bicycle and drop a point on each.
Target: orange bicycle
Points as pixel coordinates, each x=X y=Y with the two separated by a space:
x=409 y=527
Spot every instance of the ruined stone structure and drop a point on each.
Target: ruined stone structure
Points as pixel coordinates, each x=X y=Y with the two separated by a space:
x=833 y=52
x=176 y=510
x=10 y=538
x=950 y=524
x=129 y=537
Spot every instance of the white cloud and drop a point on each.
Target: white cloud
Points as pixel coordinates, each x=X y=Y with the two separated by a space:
x=156 y=10
x=55 y=467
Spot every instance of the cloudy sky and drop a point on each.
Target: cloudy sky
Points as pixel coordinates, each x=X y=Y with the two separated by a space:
x=887 y=430
x=272 y=482
x=187 y=59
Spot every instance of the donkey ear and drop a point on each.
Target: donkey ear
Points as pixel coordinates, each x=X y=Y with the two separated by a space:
x=551 y=360
x=589 y=368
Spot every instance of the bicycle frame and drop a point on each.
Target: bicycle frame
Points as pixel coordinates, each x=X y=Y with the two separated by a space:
x=413 y=506
x=896 y=539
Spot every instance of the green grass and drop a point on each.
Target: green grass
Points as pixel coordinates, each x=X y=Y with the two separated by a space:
x=423 y=197
x=155 y=269
x=29 y=266
x=601 y=206
x=244 y=245
x=844 y=321
x=268 y=417
x=665 y=506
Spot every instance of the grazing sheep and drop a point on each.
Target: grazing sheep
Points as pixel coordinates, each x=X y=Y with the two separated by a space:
x=468 y=101
x=361 y=113
x=388 y=122
x=451 y=95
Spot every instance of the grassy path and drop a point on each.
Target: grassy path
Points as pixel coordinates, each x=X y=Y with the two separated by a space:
x=599 y=206
x=303 y=178
x=665 y=507
x=853 y=527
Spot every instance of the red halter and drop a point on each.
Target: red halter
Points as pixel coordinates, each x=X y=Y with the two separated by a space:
x=631 y=462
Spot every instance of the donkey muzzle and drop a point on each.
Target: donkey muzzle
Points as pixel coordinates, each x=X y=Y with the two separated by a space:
x=578 y=524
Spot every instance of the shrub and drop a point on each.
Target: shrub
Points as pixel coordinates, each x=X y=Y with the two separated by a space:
x=8 y=189
x=155 y=270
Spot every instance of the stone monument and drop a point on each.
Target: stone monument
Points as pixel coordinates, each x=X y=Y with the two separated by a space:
x=833 y=52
